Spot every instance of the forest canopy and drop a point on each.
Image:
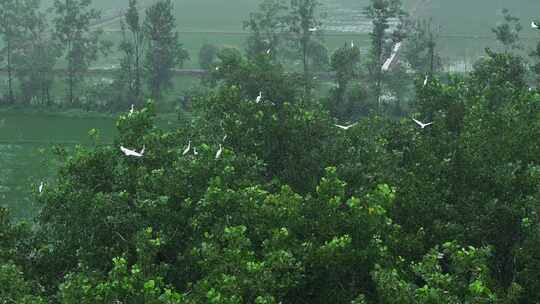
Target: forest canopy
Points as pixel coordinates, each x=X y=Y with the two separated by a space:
x=262 y=194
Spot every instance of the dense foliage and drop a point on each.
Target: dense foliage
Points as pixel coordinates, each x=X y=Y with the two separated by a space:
x=296 y=210
x=260 y=198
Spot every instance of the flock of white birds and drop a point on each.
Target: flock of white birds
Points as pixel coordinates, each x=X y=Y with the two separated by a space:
x=385 y=67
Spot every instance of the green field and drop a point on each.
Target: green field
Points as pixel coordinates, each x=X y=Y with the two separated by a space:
x=465 y=25
x=25 y=151
x=26 y=142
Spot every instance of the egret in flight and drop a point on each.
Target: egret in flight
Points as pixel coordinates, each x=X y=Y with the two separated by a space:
x=346 y=127
x=389 y=61
x=313 y=29
x=534 y=25
x=218 y=153
x=421 y=124
x=186 y=150
x=129 y=152
x=258 y=99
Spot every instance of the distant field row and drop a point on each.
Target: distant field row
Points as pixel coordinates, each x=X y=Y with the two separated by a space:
x=465 y=25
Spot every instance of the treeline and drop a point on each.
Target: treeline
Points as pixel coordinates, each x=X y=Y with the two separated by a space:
x=283 y=33
x=33 y=47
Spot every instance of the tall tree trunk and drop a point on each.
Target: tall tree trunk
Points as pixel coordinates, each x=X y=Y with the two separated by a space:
x=306 y=70
x=379 y=75
x=9 y=68
x=431 y=55
x=71 y=83
x=137 y=72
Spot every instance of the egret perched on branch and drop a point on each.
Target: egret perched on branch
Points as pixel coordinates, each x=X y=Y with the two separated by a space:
x=346 y=127
x=218 y=153
x=40 y=189
x=425 y=81
x=258 y=99
x=421 y=124
x=534 y=25
x=186 y=150
x=389 y=61
x=129 y=152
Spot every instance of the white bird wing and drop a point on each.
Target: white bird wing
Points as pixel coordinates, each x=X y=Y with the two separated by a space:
x=218 y=153
x=389 y=61
x=386 y=64
x=126 y=151
x=186 y=150
x=429 y=123
x=129 y=152
x=258 y=99
x=346 y=127
x=421 y=124
x=142 y=151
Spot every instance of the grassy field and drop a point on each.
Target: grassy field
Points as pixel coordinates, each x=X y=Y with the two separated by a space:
x=465 y=25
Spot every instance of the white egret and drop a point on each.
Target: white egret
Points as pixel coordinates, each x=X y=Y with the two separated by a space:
x=389 y=61
x=218 y=153
x=129 y=152
x=425 y=81
x=534 y=25
x=186 y=150
x=40 y=189
x=421 y=124
x=346 y=127
x=352 y=44
x=131 y=110
x=313 y=29
x=268 y=52
x=258 y=99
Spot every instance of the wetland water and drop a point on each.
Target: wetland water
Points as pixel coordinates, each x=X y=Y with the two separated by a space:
x=26 y=142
